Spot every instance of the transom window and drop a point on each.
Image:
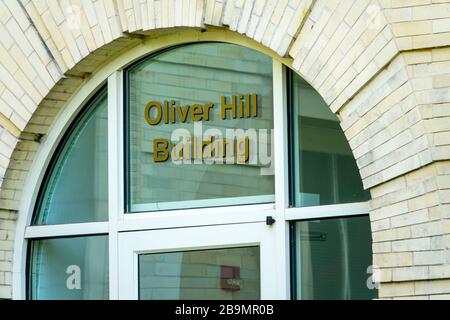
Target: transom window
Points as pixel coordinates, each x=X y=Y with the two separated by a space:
x=196 y=84
x=202 y=171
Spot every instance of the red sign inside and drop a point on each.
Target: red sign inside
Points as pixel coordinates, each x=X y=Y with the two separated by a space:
x=230 y=278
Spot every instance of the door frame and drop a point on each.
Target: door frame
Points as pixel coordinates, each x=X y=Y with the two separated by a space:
x=132 y=244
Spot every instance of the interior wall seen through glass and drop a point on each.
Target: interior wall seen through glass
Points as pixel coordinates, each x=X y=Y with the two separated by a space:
x=215 y=274
x=332 y=259
x=69 y=269
x=324 y=170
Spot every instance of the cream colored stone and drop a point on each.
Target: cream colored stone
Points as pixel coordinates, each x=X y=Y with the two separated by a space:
x=396 y=289
x=393 y=106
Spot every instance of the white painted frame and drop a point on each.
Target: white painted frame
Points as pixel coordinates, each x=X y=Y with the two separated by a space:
x=132 y=244
x=112 y=75
x=327 y=211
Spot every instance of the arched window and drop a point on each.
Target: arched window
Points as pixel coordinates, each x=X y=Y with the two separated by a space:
x=331 y=255
x=74 y=190
x=198 y=172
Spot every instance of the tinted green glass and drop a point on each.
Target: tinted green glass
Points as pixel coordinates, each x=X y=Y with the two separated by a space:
x=332 y=258
x=197 y=74
x=224 y=274
x=76 y=187
x=324 y=170
x=69 y=269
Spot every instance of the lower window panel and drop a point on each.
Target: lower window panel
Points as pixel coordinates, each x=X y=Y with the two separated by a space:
x=213 y=274
x=73 y=268
x=332 y=259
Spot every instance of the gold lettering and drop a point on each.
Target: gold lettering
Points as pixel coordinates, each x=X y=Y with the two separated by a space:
x=242 y=150
x=227 y=148
x=182 y=113
x=207 y=149
x=255 y=105
x=160 y=146
x=172 y=111
x=148 y=109
x=225 y=107
x=197 y=112
x=247 y=105
x=166 y=112
x=177 y=151
x=241 y=106
x=208 y=108
x=218 y=148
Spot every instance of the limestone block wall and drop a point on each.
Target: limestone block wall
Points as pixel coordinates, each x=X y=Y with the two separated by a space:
x=382 y=66
x=411 y=233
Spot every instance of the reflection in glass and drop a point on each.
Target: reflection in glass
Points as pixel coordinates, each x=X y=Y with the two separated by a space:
x=332 y=257
x=197 y=74
x=324 y=169
x=220 y=274
x=69 y=269
x=76 y=187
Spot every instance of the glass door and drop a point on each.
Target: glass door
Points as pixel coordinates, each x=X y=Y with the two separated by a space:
x=214 y=262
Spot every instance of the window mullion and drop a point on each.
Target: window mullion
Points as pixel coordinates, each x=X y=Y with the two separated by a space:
x=63 y=230
x=115 y=196
x=328 y=211
x=280 y=158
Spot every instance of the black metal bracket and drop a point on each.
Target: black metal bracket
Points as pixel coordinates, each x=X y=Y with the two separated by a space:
x=270 y=220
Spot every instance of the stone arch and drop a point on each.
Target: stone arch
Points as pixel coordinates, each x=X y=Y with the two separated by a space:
x=357 y=55
x=75 y=38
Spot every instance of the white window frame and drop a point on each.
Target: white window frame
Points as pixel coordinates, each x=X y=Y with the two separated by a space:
x=132 y=244
x=112 y=75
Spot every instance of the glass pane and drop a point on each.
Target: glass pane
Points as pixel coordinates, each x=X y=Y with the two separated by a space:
x=324 y=170
x=69 y=269
x=232 y=274
x=332 y=258
x=76 y=187
x=200 y=78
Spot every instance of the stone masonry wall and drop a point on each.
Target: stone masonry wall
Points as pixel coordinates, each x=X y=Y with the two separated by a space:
x=382 y=65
